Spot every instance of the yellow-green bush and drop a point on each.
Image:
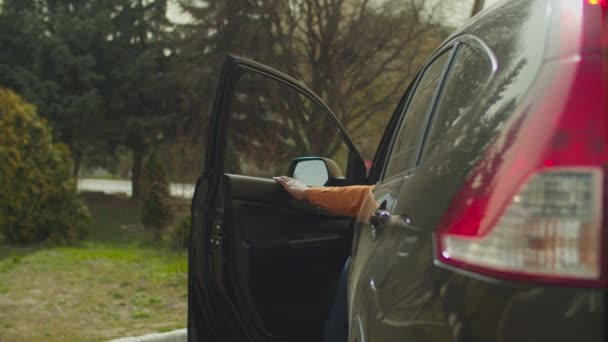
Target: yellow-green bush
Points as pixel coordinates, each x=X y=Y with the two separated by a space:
x=38 y=196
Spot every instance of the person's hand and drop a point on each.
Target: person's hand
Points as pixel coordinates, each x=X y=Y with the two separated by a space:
x=294 y=187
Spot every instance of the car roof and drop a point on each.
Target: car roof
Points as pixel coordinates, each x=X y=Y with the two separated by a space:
x=563 y=28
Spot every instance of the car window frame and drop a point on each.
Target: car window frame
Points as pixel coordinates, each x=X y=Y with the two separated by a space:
x=355 y=172
x=384 y=147
x=266 y=78
x=458 y=43
x=432 y=106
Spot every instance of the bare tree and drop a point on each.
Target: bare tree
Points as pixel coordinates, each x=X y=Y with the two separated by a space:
x=358 y=55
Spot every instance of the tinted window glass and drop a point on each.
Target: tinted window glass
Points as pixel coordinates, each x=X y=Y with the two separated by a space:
x=514 y=31
x=454 y=118
x=272 y=123
x=405 y=148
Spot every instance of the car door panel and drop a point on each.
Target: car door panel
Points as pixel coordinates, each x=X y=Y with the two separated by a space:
x=252 y=200
x=392 y=281
x=395 y=275
x=288 y=253
x=263 y=266
x=291 y=292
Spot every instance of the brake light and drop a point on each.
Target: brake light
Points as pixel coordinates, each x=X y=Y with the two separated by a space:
x=551 y=230
x=534 y=207
x=603 y=3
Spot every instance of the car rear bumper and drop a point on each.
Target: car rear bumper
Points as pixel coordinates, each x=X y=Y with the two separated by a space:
x=479 y=309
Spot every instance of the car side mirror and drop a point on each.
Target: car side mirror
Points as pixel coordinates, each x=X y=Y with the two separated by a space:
x=314 y=171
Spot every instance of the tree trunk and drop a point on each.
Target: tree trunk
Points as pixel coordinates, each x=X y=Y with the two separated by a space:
x=138 y=157
x=477 y=6
x=77 y=162
x=158 y=234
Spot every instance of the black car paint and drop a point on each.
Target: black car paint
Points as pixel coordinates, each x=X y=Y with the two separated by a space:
x=398 y=291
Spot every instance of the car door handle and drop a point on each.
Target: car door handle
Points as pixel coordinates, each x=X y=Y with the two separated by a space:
x=382 y=217
x=378 y=220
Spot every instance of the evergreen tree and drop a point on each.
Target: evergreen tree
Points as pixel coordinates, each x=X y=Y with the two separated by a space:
x=139 y=95
x=49 y=55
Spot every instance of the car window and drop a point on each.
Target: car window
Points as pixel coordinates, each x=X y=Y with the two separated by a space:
x=405 y=148
x=455 y=118
x=271 y=123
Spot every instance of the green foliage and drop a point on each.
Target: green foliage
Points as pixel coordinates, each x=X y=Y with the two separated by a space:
x=51 y=61
x=39 y=200
x=116 y=75
x=139 y=96
x=96 y=71
x=180 y=232
x=156 y=199
x=111 y=276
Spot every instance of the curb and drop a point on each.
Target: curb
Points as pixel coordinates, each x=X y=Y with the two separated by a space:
x=171 y=336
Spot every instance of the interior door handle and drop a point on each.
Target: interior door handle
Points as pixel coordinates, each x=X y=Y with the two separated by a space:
x=313 y=239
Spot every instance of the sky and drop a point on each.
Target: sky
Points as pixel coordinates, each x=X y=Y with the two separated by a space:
x=174 y=13
x=463 y=12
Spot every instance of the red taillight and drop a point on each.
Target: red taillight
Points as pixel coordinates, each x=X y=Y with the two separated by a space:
x=550 y=231
x=533 y=207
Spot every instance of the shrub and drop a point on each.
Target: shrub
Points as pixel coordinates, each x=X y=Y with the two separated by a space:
x=156 y=200
x=38 y=198
x=180 y=232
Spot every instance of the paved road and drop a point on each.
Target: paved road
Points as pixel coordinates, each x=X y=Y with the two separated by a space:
x=124 y=187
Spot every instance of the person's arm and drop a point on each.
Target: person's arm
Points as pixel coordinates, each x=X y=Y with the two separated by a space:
x=346 y=200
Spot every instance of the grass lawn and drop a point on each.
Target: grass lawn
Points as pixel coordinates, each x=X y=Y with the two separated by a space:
x=116 y=283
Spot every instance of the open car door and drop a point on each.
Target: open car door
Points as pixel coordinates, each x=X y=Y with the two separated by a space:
x=263 y=266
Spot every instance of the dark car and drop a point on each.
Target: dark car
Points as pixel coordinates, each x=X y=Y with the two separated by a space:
x=487 y=217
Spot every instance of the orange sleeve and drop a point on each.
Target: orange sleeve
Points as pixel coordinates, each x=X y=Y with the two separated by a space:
x=344 y=201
